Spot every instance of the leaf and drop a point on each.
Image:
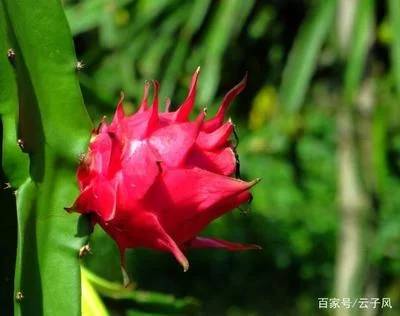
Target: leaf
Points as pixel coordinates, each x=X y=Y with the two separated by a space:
x=145 y=12
x=92 y=304
x=394 y=20
x=302 y=60
x=227 y=20
x=141 y=300
x=89 y=14
x=151 y=61
x=361 y=41
x=175 y=64
x=261 y=23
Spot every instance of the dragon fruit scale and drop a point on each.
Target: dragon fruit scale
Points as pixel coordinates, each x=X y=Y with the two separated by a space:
x=156 y=179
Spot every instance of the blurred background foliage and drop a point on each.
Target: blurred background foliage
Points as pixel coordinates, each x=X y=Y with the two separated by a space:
x=318 y=122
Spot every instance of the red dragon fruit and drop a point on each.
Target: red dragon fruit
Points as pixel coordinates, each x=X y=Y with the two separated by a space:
x=156 y=179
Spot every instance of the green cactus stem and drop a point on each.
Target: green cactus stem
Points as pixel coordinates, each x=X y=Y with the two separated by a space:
x=40 y=91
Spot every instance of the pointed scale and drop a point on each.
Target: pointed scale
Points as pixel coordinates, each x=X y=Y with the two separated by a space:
x=217 y=121
x=182 y=114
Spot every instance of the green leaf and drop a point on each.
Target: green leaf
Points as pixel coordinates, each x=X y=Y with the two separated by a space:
x=361 y=41
x=175 y=64
x=150 y=63
x=302 y=60
x=380 y=144
x=92 y=305
x=144 y=13
x=142 y=300
x=394 y=20
x=227 y=21
x=89 y=14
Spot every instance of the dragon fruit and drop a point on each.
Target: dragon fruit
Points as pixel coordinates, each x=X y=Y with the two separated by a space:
x=156 y=179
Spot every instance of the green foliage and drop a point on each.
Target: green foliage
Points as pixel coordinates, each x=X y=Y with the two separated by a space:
x=178 y=26
x=303 y=58
x=394 y=18
x=361 y=40
x=138 y=300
